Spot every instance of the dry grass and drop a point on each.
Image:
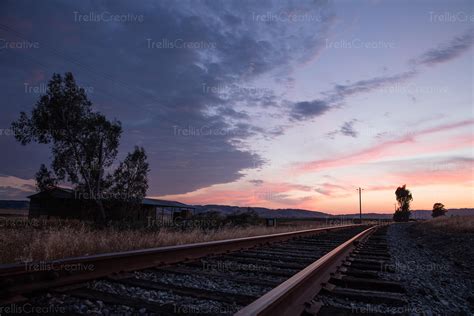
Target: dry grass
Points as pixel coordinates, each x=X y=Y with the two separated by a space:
x=8 y=211
x=25 y=240
x=452 y=224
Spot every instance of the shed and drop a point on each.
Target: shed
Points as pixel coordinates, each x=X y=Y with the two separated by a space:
x=61 y=202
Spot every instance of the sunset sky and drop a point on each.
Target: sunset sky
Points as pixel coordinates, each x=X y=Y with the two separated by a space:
x=280 y=104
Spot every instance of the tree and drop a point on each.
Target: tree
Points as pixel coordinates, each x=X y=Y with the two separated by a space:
x=404 y=197
x=44 y=179
x=438 y=210
x=84 y=143
x=250 y=217
x=129 y=182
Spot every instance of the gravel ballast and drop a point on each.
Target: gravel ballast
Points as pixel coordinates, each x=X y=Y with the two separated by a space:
x=435 y=284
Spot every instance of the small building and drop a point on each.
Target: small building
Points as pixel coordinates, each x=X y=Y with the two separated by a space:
x=271 y=222
x=164 y=209
x=66 y=204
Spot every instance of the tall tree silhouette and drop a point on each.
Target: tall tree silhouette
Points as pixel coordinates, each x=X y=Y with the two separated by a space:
x=404 y=197
x=84 y=143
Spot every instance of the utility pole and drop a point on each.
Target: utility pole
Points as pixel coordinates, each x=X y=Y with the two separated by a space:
x=360 y=204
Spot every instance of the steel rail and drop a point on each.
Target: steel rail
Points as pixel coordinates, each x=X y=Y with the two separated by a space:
x=22 y=278
x=293 y=296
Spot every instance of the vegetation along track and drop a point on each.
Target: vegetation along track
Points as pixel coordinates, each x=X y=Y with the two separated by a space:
x=212 y=278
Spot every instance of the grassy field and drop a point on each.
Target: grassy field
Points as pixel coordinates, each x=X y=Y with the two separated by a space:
x=31 y=240
x=451 y=224
x=11 y=212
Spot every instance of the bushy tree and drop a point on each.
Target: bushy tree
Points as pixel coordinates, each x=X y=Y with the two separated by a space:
x=250 y=217
x=404 y=197
x=438 y=210
x=83 y=142
x=44 y=179
x=129 y=182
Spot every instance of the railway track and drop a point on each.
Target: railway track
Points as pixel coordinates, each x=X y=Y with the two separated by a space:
x=214 y=278
x=361 y=286
x=356 y=278
x=333 y=271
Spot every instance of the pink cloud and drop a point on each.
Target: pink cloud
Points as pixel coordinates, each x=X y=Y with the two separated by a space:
x=333 y=190
x=428 y=177
x=391 y=149
x=266 y=194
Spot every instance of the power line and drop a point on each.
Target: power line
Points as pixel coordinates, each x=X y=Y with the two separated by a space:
x=360 y=203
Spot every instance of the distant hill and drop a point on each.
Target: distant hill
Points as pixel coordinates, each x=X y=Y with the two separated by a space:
x=262 y=211
x=275 y=213
x=299 y=213
x=14 y=208
x=426 y=214
x=14 y=205
x=415 y=214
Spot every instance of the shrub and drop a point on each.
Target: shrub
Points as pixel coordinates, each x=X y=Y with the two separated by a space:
x=438 y=210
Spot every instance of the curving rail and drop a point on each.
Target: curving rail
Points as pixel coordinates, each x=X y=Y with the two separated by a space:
x=293 y=296
x=19 y=279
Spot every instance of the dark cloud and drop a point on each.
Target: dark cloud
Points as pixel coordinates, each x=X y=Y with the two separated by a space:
x=256 y=182
x=340 y=92
x=307 y=109
x=337 y=95
x=180 y=104
x=347 y=129
x=448 y=51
